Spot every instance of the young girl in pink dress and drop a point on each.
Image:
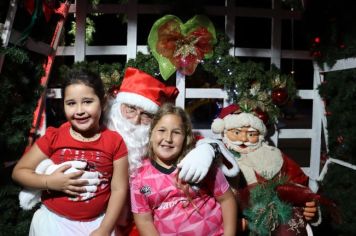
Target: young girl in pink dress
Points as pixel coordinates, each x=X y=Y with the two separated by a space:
x=161 y=203
x=64 y=211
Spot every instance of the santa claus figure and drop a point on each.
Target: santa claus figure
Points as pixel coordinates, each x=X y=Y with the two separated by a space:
x=243 y=134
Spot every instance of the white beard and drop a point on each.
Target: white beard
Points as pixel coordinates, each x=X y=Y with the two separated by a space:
x=235 y=145
x=135 y=136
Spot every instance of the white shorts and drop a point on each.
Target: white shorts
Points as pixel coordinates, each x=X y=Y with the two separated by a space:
x=48 y=223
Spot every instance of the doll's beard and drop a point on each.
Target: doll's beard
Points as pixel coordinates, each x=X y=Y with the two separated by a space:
x=249 y=147
x=136 y=140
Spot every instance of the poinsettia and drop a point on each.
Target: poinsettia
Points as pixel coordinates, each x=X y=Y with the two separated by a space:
x=178 y=46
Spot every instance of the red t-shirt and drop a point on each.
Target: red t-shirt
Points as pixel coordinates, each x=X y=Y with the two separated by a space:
x=100 y=154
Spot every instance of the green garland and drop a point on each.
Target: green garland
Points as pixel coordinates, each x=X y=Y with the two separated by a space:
x=330 y=27
x=339 y=93
x=267 y=211
x=247 y=83
x=19 y=91
x=146 y=63
x=111 y=74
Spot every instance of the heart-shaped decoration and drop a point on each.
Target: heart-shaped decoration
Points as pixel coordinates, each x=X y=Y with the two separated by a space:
x=178 y=46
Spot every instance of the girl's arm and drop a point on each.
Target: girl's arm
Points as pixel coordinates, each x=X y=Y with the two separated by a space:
x=229 y=212
x=144 y=224
x=24 y=174
x=118 y=197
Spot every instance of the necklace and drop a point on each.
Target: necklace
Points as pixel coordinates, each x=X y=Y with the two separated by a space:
x=79 y=137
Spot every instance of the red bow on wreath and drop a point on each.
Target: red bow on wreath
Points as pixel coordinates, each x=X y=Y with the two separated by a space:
x=178 y=46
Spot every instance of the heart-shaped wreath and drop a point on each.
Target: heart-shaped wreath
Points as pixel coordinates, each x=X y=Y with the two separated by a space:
x=178 y=46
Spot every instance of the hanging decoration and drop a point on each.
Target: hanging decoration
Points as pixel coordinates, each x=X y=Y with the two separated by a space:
x=249 y=84
x=178 y=46
x=279 y=96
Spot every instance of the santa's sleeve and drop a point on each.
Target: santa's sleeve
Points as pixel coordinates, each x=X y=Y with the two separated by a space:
x=291 y=169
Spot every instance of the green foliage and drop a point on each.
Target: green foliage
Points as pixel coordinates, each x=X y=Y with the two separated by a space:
x=332 y=22
x=89 y=30
x=19 y=92
x=248 y=84
x=13 y=220
x=339 y=185
x=339 y=93
x=146 y=63
x=111 y=74
x=266 y=210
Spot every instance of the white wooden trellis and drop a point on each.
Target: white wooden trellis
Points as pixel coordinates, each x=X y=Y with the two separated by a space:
x=81 y=8
x=319 y=73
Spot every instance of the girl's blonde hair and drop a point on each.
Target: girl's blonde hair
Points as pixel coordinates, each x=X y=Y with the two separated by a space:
x=171 y=109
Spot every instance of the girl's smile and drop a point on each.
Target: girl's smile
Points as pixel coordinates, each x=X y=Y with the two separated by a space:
x=167 y=140
x=82 y=108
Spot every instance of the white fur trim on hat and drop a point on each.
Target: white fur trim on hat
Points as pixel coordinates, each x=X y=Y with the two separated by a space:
x=137 y=100
x=238 y=121
x=218 y=126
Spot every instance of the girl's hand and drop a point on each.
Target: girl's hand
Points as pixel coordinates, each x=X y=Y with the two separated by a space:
x=310 y=210
x=67 y=183
x=100 y=232
x=244 y=224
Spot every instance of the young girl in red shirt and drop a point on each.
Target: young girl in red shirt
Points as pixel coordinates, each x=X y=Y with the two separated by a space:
x=83 y=138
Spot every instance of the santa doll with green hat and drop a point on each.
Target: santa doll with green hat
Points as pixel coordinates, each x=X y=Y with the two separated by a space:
x=268 y=180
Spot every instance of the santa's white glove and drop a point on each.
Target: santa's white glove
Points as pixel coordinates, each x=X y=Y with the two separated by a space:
x=195 y=165
x=30 y=197
x=231 y=171
x=93 y=178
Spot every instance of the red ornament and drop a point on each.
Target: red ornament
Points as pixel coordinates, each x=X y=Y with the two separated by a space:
x=316 y=54
x=317 y=40
x=340 y=139
x=328 y=113
x=114 y=90
x=261 y=115
x=279 y=96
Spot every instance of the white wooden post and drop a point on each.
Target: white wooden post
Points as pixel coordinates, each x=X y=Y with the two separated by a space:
x=80 y=44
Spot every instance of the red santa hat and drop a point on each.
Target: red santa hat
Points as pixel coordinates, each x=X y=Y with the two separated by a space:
x=232 y=117
x=141 y=89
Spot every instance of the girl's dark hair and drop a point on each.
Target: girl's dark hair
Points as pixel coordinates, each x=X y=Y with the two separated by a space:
x=88 y=78
x=171 y=109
